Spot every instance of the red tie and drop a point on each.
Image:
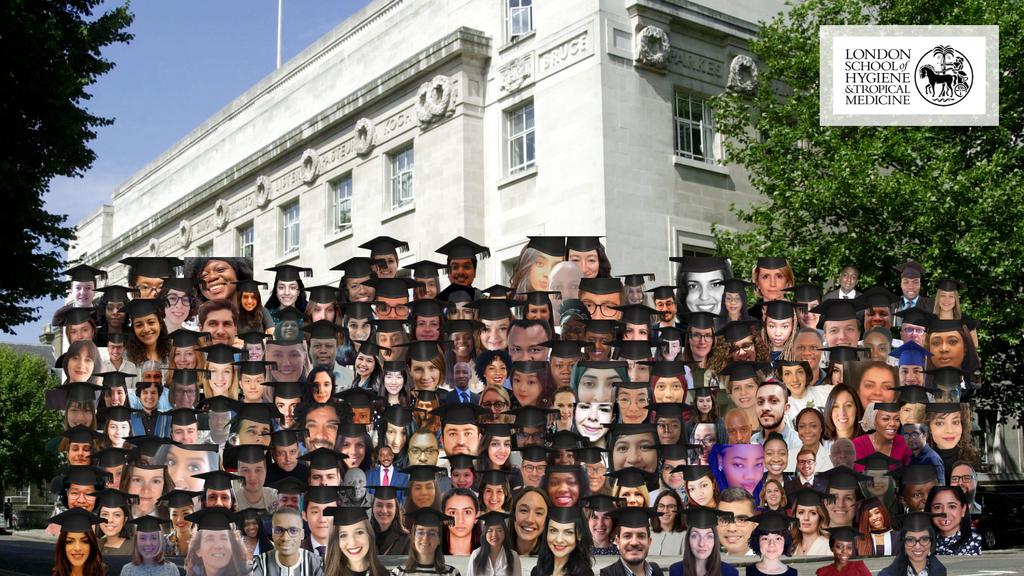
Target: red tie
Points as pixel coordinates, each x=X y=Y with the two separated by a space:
x=387 y=480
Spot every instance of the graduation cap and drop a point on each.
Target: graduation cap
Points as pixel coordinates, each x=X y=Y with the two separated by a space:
x=911 y=354
x=247 y=453
x=76 y=520
x=216 y=518
x=289 y=272
x=946 y=376
x=80 y=391
x=358 y=397
x=287 y=390
x=254 y=367
x=662 y=292
x=665 y=368
x=633 y=349
x=349 y=429
x=701 y=320
x=359 y=310
x=250 y=285
x=221 y=403
x=86 y=475
x=425 y=269
x=564 y=348
x=843 y=353
x=736 y=285
x=692 y=472
x=589 y=454
x=536 y=298
x=498 y=429
x=843 y=534
x=736 y=330
x=550 y=245
x=290 y=314
x=285 y=437
x=178 y=498
x=398 y=415
x=772 y=521
x=837 y=310
x=289 y=485
x=909 y=269
x=877 y=297
x=460 y=247
x=371 y=348
x=186 y=376
x=533 y=453
x=565 y=440
x=217 y=479
x=422 y=472
x=583 y=243
x=805 y=292
x=949 y=285
x=111 y=457
x=777 y=309
x=916 y=316
x=426 y=395
x=601 y=326
x=148 y=523
x=631 y=477
x=427 y=307
x=636 y=313
x=771 y=262
x=637 y=279
x=886 y=406
x=116 y=337
x=356 y=267
x=672 y=410
x=701 y=517
x=530 y=366
x=185 y=338
x=460 y=326
x=379 y=492
x=115 y=293
x=457 y=293
x=185 y=284
x=113 y=498
x=843 y=478
x=917 y=521
x=261 y=412
x=460 y=461
x=634 y=516
x=601 y=285
x=666 y=333
x=700 y=389
x=877 y=461
x=421 y=350
x=565 y=514
x=392 y=287
x=323 y=293
x=459 y=413
x=384 y=245
x=493 y=478
x=323 y=459
x=741 y=370
x=700 y=263
x=916 y=474
x=183 y=416
x=152 y=266
x=493 y=518
x=914 y=394
x=429 y=518
x=601 y=502
x=347 y=515
x=220 y=353
x=84 y=273
x=147 y=444
x=943 y=408
x=83 y=315
x=491 y=308
x=936 y=325
x=528 y=416
x=673 y=451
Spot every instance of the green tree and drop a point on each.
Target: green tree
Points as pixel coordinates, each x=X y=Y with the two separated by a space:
x=25 y=423
x=948 y=197
x=51 y=56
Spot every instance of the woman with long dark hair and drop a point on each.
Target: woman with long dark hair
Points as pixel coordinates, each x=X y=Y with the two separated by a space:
x=843 y=413
x=78 y=550
x=701 y=555
x=351 y=550
x=530 y=511
x=667 y=531
x=426 y=554
x=287 y=289
x=147 y=339
x=495 y=556
x=952 y=520
x=917 y=553
x=565 y=545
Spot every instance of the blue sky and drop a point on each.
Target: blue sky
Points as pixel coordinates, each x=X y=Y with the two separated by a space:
x=189 y=59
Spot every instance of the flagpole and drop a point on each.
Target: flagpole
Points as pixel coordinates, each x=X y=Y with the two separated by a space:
x=279 y=13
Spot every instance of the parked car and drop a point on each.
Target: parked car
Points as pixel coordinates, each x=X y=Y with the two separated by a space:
x=1001 y=522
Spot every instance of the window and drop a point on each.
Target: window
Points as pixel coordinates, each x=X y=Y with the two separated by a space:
x=518 y=18
x=341 y=203
x=521 y=149
x=246 y=239
x=401 y=177
x=205 y=251
x=694 y=128
x=290 y=228
x=691 y=251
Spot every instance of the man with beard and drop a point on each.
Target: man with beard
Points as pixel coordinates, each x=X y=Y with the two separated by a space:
x=772 y=406
x=916 y=436
x=964 y=476
x=288 y=556
x=321 y=423
x=633 y=537
x=735 y=533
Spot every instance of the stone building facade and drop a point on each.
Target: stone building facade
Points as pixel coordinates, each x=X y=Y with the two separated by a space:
x=426 y=119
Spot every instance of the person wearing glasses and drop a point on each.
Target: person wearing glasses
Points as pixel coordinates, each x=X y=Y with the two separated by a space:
x=668 y=531
x=917 y=548
x=288 y=556
x=601 y=296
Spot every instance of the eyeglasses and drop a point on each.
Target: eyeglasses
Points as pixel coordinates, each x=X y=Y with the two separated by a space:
x=535 y=468
x=702 y=337
x=806 y=461
x=638 y=402
x=922 y=541
x=293 y=531
x=499 y=405
x=959 y=479
x=384 y=308
x=425 y=534
x=738 y=520
x=417 y=452
x=608 y=309
x=530 y=436
x=917 y=330
x=668 y=508
x=174 y=300
x=742 y=347
x=147 y=289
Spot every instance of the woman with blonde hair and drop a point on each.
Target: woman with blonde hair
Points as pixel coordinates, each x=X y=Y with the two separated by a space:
x=148 y=556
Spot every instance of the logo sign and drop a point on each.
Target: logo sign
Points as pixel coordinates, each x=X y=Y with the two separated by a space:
x=909 y=75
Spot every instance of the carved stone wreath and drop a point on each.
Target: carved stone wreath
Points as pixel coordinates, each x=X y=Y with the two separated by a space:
x=310 y=166
x=220 y=214
x=742 y=75
x=365 y=132
x=262 y=192
x=154 y=247
x=433 y=102
x=184 y=233
x=652 y=47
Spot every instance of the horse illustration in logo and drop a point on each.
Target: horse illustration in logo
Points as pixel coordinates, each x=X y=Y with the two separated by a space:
x=952 y=75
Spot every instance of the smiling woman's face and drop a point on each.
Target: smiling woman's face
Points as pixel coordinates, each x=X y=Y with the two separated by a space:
x=182 y=465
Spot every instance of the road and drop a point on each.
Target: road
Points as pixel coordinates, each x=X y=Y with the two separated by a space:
x=20 y=556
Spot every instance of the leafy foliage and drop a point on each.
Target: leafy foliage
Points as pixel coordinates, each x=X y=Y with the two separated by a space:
x=51 y=55
x=25 y=423
x=951 y=198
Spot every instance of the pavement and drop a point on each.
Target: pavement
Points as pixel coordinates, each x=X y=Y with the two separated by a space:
x=30 y=552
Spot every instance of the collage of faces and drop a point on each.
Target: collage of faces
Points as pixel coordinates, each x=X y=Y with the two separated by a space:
x=717 y=421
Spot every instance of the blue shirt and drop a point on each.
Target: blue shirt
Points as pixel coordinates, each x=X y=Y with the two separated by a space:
x=928 y=455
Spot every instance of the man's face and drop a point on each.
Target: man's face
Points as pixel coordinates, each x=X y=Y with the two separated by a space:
x=287 y=500
x=461 y=271
x=184 y=395
x=217 y=499
x=848 y=279
x=842 y=332
x=116 y=352
x=324 y=477
x=878 y=317
x=915 y=436
x=319 y=523
x=634 y=544
x=913 y=333
x=667 y=307
x=842 y=454
x=771 y=406
x=911 y=287
x=462 y=374
x=385 y=456
x=461 y=439
x=964 y=477
x=423 y=449
x=83 y=293
x=524 y=343
x=322 y=351
x=221 y=326
x=149 y=397
x=805 y=464
x=81 y=496
x=600 y=305
x=322 y=427
x=738 y=427
x=286 y=457
x=185 y=434
x=80 y=332
x=735 y=535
